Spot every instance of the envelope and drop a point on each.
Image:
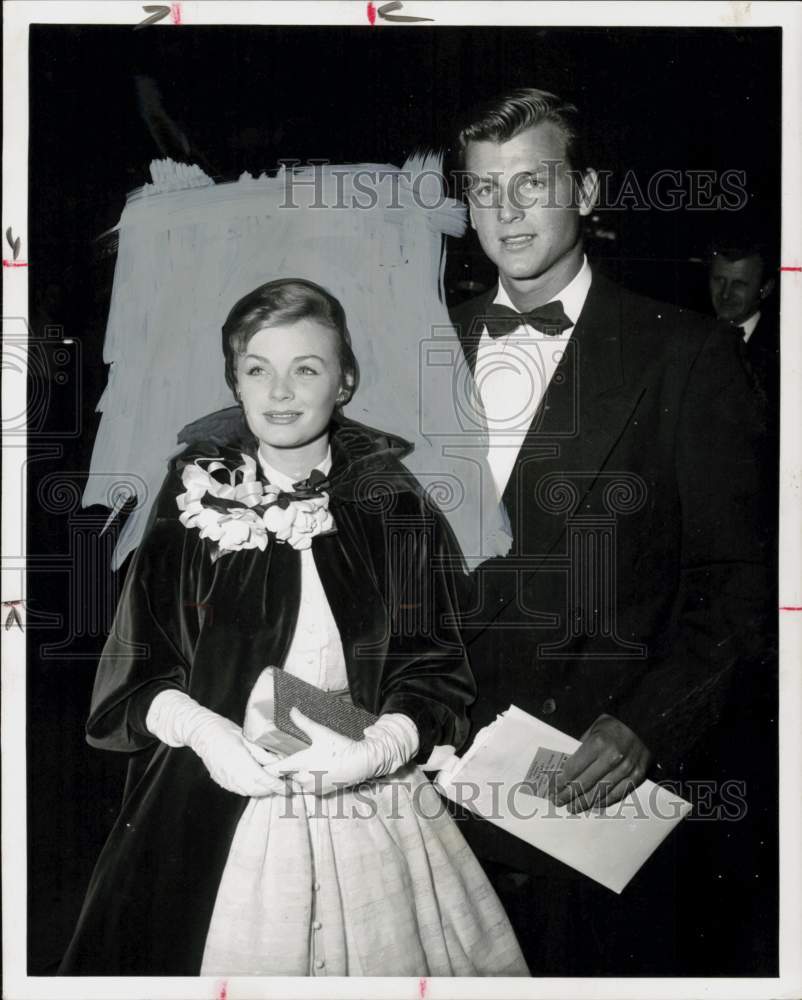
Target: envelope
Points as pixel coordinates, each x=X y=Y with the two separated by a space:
x=504 y=776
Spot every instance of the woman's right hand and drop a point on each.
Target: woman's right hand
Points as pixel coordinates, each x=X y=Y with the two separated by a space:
x=233 y=762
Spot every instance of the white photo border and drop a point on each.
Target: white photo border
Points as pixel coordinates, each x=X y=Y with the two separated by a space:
x=18 y=16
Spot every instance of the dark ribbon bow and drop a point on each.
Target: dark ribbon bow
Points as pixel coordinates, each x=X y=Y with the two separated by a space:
x=305 y=489
x=549 y=319
x=315 y=485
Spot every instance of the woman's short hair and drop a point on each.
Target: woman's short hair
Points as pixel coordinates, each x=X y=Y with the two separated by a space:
x=506 y=116
x=287 y=300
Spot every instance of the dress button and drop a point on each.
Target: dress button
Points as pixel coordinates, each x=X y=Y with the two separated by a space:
x=319 y=963
x=316 y=925
x=316 y=887
x=549 y=707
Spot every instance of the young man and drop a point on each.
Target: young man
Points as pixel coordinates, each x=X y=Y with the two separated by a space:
x=624 y=442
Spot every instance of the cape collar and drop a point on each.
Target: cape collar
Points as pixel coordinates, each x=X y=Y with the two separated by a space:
x=363 y=458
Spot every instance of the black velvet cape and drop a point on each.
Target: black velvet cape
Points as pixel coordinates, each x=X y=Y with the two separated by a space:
x=391 y=575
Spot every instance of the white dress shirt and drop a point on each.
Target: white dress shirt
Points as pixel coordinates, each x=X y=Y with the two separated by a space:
x=513 y=373
x=748 y=326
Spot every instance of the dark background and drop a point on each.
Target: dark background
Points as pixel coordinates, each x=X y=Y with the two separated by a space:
x=107 y=100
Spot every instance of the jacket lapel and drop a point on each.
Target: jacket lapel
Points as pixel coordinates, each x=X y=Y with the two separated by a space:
x=468 y=320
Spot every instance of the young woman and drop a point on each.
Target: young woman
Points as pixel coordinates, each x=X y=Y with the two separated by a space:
x=307 y=546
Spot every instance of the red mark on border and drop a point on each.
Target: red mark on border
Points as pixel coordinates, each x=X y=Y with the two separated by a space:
x=223 y=990
x=14 y=263
x=789 y=607
x=175 y=13
x=791 y=268
x=371 y=13
x=423 y=985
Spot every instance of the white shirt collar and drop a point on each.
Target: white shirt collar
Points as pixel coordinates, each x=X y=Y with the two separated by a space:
x=748 y=326
x=285 y=482
x=572 y=296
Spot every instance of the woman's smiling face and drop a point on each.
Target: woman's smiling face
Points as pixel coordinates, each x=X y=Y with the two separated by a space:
x=289 y=380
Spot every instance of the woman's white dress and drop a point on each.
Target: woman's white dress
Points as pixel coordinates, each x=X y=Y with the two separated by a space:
x=374 y=881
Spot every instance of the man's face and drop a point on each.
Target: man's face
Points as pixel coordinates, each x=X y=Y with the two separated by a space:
x=736 y=287
x=524 y=204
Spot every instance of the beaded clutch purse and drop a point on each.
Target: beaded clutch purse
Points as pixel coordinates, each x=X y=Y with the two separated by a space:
x=267 y=718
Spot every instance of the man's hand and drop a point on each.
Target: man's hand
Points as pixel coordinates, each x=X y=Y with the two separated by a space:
x=609 y=764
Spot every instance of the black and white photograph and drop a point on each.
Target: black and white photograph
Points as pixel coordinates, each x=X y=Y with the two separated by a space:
x=401 y=500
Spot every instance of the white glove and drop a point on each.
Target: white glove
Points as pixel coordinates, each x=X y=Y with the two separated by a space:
x=333 y=761
x=233 y=762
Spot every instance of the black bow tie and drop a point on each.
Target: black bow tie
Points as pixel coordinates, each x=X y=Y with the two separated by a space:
x=549 y=319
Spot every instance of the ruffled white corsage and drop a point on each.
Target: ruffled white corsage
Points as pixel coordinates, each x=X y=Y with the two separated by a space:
x=235 y=510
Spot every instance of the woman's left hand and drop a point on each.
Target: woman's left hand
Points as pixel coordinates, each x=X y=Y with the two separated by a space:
x=333 y=761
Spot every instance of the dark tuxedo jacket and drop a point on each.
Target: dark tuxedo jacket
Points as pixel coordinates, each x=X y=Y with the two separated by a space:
x=638 y=580
x=762 y=352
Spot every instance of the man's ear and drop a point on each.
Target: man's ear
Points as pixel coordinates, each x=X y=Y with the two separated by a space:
x=588 y=191
x=767 y=288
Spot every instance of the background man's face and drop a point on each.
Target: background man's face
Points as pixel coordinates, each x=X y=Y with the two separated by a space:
x=523 y=203
x=735 y=287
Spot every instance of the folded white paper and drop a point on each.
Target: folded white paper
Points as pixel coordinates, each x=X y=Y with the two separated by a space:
x=504 y=774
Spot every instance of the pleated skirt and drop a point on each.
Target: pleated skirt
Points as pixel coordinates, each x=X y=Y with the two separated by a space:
x=371 y=881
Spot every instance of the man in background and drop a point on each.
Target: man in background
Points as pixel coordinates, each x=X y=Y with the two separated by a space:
x=741 y=285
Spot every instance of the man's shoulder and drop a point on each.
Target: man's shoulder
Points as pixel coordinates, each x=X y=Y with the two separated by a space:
x=766 y=335
x=636 y=313
x=464 y=314
x=650 y=330
x=647 y=312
